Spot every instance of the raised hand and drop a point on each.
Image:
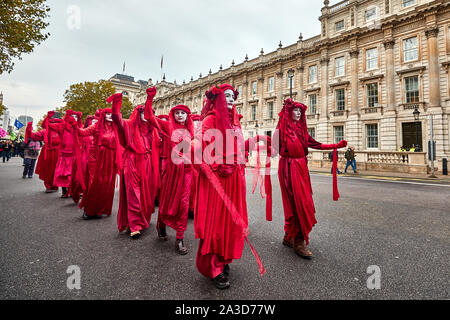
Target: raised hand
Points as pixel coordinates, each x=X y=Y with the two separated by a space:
x=341 y=144
x=151 y=92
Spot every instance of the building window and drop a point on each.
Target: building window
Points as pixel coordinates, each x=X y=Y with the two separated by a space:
x=239 y=110
x=312 y=132
x=313 y=103
x=340 y=25
x=339 y=67
x=312 y=74
x=410 y=49
x=240 y=91
x=253 y=113
x=340 y=99
x=125 y=93
x=271 y=84
x=270 y=109
x=372 y=135
x=412 y=89
x=254 y=87
x=407 y=3
x=372 y=95
x=268 y=133
x=338 y=133
x=371 y=13
x=372 y=59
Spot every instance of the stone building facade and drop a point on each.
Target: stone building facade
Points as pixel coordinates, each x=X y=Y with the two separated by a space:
x=373 y=63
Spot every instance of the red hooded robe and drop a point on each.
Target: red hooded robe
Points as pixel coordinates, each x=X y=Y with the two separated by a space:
x=139 y=178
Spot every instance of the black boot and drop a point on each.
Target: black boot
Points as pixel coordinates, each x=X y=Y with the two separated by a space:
x=221 y=281
x=226 y=270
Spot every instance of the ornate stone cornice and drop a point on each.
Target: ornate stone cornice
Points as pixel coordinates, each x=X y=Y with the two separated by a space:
x=324 y=60
x=280 y=75
x=389 y=44
x=354 y=53
x=432 y=32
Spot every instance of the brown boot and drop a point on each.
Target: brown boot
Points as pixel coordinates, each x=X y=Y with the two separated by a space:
x=301 y=249
x=180 y=248
x=288 y=243
x=162 y=234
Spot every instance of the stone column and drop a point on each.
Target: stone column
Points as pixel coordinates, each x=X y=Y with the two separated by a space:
x=433 y=62
x=280 y=99
x=390 y=75
x=323 y=128
x=260 y=95
x=299 y=78
x=387 y=131
x=354 y=82
x=324 y=87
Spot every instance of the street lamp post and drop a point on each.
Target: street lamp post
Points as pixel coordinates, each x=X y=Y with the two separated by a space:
x=416 y=114
x=291 y=73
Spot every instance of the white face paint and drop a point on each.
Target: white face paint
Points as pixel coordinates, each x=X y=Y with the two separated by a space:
x=229 y=96
x=296 y=114
x=142 y=117
x=94 y=121
x=108 y=117
x=180 y=116
x=75 y=117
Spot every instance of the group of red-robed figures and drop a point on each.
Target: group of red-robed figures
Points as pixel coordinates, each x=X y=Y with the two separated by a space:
x=175 y=161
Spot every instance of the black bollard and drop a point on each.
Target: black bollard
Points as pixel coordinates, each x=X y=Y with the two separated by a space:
x=444 y=167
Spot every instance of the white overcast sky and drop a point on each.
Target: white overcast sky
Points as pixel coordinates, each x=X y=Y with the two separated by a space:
x=193 y=36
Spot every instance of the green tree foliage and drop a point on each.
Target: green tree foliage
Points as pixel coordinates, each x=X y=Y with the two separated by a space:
x=22 y=23
x=87 y=97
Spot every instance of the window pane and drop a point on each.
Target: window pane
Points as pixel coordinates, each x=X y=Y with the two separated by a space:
x=340 y=99
x=372 y=135
x=338 y=134
x=410 y=49
x=270 y=110
x=312 y=74
x=254 y=88
x=312 y=132
x=407 y=3
x=340 y=25
x=372 y=95
x=372 y=59
x=271 y=84
x=253 y=113
x=371 y=14
x=313 y=104
x=412 y=89
x=340 y=66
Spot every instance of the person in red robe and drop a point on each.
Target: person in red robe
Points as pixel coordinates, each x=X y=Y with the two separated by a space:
x=139 y=178
x=294 y=141
x=177 y=180
x=99 y=196
x=197 y=120
x=70 y=152
x=49 y=154
x=221 y=221
x=162 y=156
x=87 y=144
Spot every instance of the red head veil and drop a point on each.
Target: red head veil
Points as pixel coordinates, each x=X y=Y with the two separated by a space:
x=287 y=127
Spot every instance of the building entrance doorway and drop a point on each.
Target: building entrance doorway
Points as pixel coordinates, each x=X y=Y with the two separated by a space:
x=409 y=135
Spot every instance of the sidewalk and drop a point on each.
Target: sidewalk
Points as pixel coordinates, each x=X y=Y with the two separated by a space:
x=380 y=174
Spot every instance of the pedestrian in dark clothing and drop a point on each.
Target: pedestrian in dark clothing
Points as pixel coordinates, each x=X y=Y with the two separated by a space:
x=31 y=153
x=351 y=161
x=330 y=157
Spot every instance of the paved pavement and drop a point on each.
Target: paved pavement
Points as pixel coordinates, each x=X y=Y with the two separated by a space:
x=403 y=228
